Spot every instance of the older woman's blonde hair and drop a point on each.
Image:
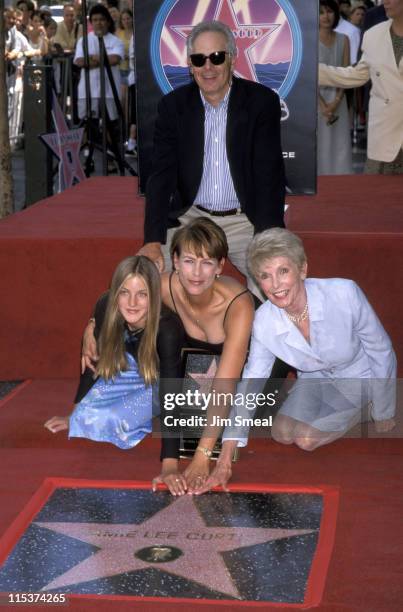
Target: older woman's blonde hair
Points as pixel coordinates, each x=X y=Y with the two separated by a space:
x=275 y=242
x=112 y=358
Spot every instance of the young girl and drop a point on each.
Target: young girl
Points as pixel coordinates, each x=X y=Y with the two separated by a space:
x=115 y=404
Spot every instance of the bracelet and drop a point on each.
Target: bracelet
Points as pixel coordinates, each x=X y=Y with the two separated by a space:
x=206 y=451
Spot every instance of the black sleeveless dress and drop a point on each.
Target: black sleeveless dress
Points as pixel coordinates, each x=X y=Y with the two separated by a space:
x=171 y=435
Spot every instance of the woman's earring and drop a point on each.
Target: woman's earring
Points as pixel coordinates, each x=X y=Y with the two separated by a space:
x=176 y=271
x=217 y=276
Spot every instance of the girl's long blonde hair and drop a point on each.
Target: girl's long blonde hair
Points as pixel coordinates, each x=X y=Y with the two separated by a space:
x=112 y=358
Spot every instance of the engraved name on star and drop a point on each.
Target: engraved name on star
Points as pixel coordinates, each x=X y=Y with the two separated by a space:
x=175 y=538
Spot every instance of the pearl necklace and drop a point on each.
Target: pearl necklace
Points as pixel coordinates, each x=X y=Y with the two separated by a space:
x=300 y=317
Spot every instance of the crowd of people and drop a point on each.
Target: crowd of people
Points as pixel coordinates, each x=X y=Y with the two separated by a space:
x=32 y=35
x=216 y=191
x=380 y=63
x=362 y=56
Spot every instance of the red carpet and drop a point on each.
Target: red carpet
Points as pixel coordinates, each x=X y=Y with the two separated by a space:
x=57 y=256
x=366 y=565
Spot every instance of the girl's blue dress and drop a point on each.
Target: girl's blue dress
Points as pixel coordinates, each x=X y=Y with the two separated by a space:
x=118 y=410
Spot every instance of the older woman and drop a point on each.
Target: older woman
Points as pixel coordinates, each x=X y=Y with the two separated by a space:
x=328 y=331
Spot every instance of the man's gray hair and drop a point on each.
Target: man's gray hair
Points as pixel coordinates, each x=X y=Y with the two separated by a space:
x=274 y=242
x=212 y=26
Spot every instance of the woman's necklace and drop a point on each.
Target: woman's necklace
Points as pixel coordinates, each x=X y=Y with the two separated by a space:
x=194 y=317
x=300 y=317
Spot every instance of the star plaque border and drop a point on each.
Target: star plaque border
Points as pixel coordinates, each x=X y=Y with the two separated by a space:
x=319 y=566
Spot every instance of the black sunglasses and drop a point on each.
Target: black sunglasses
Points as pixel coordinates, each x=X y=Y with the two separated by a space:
x=216 y=58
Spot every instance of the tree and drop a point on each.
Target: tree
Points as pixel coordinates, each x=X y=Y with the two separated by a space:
x=6 y=177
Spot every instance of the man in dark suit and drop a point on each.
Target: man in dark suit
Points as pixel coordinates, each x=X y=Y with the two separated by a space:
x=374 y=16
x=217 y=152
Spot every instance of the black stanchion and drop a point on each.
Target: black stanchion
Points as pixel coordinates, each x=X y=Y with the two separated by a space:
x=37 y=120
x=116 y=143
x=102 y=104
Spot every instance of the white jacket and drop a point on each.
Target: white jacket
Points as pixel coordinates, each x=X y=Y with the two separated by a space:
x=385 y=122
x=347 y=344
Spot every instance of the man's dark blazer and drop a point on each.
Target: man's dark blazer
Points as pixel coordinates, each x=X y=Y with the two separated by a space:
x=374 y=16
x=253 y=149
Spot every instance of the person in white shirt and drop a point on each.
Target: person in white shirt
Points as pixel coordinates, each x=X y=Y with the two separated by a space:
x=354 y=35
x=103 y=26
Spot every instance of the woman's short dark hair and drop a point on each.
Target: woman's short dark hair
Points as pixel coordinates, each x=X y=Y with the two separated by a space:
x=100 y=9
x=333 y=6
x=201 y=236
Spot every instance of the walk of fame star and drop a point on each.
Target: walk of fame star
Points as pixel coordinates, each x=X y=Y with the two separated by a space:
x=247 y=36
x=175 y=540
x=65 y=145
x=205 y=379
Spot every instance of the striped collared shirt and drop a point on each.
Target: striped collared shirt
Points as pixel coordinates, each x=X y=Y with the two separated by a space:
x=216 y=191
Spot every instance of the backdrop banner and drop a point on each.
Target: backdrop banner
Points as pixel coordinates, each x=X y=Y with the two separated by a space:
x=277 y=47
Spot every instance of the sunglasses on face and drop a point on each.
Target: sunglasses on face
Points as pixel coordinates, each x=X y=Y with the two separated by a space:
x=216 y=58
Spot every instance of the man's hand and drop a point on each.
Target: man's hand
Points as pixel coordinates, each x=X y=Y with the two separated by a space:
x=89 y=353
x=94 y=61
x=385 y=425
x=152 y=250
